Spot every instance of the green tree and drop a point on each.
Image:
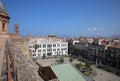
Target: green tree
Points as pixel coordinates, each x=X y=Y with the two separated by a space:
x=71 y=59
x=79 y=65
x=61 y=60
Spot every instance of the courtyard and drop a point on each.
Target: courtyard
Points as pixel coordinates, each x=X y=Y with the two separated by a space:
x=101 y=75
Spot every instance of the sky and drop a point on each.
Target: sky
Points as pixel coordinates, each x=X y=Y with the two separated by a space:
x=64 y=17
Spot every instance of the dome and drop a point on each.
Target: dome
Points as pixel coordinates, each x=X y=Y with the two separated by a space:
x=2 y=8
x=3 y=11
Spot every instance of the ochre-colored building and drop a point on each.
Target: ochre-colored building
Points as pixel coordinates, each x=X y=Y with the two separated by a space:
x=4 y=20
x=4 y=24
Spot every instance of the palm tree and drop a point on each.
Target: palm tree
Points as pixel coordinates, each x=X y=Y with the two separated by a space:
x=88 y=67
x=88 y=64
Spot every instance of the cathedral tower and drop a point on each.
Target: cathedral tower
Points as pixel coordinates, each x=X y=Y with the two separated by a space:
x=16 y=28
x=4 y=20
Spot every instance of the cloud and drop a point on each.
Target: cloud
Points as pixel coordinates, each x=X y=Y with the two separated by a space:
x=92 y=29
x=95 y=29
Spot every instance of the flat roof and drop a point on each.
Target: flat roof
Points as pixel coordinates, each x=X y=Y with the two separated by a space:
x=66 y=72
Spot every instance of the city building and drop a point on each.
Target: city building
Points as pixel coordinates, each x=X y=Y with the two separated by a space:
x=96 y=53
x=47 y=46
x=100 y=51
x=73 y=41
x=113 y=57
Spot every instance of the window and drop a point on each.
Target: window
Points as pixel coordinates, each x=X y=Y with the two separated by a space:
x=39 y=50
x=112 y=55
x=39 y=54
x=39 y=46
x=34 y=54
x=63 y=45
x=30 y=46
x=117 y=51
x=44 y=54
x=33 y=46
x=33 y=51
x=66 y=52
x=54 y=49
x=44 y=45
x=63 y=49
x=49 y=50
x=44 y=50
x=16 y=27
x=54 y=45
x=58 y=45
x=3 y=26
x=49 y=54
x=49 y=45
x=58 y=49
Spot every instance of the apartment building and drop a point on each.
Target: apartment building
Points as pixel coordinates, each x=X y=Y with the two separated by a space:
x=47 y=46
x=113 y=57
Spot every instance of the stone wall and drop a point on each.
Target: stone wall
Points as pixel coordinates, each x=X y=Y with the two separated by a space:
x=22 y=44
x=24 y=70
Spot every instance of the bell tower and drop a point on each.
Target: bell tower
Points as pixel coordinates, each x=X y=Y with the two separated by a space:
x=4 y=20
x=16 y=29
